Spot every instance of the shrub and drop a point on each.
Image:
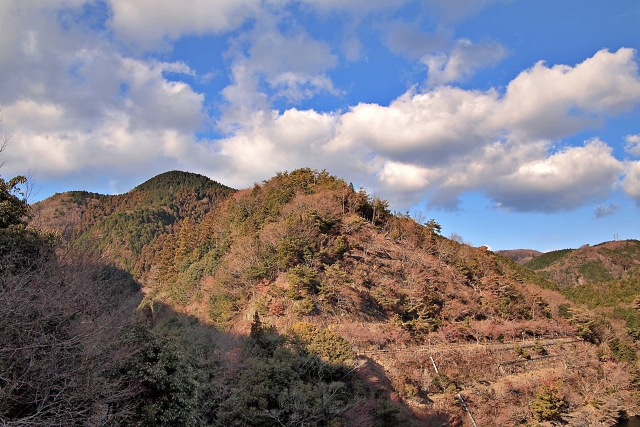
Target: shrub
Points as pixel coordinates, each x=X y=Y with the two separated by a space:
x=168 y=387
x=277 y=307
x=339 y=247
x=334 y=278
x=538 y=348
x=549 y=403
x=564 y=311
x=303 y=277
x=302 y=333
x=331 y=346
x=622 y=351
x=353 y=223
x=222 y=308
x=521 y=352
x=324 y=343
x=304 y=307
x=386 y=415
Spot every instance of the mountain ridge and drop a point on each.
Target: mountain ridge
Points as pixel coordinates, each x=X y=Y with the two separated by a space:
x=304 y=252
x=603 y=262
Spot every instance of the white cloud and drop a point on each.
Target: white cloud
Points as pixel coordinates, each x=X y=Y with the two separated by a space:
x=553 y=101
x=404 y=176
x=633 y=144
x=147 y=22
x=463 y=60
x=426 y=128
x=74 y=105
x=273 y=142
x=154 y=120
x=293 y=66
x=446 y=60
x=631 y=182
x=562 y=181
x=447 y=141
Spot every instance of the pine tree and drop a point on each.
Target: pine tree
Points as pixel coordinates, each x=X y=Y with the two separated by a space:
x=549 y=403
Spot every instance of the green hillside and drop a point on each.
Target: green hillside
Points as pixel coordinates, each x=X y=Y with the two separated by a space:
x=547 y=259
x=590 y=264
x=123 y=225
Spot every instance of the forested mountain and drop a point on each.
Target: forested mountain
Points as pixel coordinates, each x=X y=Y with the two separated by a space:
x=123 y=224
x=590 y=264
x=302 y=301
x=604 y=277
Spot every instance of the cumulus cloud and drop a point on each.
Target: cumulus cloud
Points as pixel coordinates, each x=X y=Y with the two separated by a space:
x=446 y=60
x=633 y=145
x=448 y=141
x=154 y=119
x=146 y=22
x=77 y=105
x=74 y=105
x=562 y=181
x=602 y=211
x=427 y=127
x=292 y=66
x=631 y=182
x=553 y=101
x=463 y=60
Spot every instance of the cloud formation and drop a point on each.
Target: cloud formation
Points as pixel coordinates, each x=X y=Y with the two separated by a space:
x=602 y=211
x=292 y=67
x=631 y=182
x=448 y=141
x=148 y=22
x=463 y=60
x=633 y=145
x=77 y=103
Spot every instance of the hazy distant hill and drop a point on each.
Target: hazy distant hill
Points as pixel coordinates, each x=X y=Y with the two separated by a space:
x=338 y=274
x=520 y=256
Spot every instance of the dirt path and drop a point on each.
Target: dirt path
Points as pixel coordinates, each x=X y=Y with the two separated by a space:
x=443 y=348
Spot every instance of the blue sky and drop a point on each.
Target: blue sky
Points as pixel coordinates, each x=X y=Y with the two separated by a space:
x=515 y=124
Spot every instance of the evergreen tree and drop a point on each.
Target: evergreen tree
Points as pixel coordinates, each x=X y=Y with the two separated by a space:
x=14 y=209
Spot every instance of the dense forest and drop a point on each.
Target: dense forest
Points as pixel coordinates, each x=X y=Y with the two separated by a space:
x=298 y=302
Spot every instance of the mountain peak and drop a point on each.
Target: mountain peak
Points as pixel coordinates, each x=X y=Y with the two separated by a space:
x=169 y=181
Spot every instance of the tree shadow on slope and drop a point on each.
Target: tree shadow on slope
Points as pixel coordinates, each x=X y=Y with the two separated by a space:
x=75 y=351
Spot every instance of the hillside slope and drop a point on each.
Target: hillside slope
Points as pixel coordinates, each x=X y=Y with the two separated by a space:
x=307 y=256
x=590 y=264
x=123 y=224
